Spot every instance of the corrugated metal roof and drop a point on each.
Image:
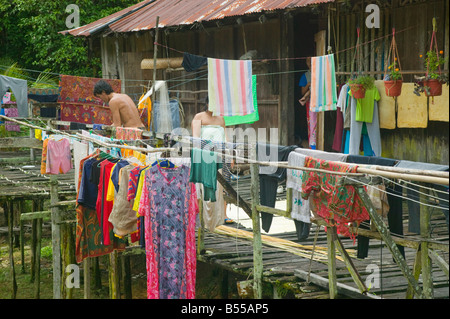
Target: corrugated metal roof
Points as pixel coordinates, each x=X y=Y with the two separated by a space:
x=142 y=16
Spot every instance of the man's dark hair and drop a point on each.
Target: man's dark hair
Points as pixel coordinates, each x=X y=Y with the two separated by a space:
x=102 y=86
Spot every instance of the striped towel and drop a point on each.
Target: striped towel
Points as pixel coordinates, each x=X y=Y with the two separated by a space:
x=323 y=84
x=230 y=87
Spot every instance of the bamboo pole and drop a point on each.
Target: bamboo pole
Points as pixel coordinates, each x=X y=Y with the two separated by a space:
x=155 y=56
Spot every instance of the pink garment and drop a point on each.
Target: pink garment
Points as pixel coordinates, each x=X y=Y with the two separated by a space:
x=59 y=159
x=169 y=204
x=11 y=126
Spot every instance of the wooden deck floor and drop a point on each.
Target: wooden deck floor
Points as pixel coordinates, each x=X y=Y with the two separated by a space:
x=280 y=267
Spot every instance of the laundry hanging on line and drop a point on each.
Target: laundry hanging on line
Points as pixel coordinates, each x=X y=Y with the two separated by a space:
x=323 y=84
x=230 y=87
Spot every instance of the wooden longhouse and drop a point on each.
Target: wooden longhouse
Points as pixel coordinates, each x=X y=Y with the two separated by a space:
x=278 y=36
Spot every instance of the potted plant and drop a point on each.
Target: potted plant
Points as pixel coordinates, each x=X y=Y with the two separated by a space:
x=360 y=84
x=393 y=80
x=432 y=82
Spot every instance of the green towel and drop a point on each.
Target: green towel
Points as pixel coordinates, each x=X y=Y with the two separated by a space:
x=205 y=173
x=249 y=118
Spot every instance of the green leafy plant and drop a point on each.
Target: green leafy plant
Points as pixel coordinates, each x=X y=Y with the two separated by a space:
x=432 y=64
x=394 y=71
x=366 y=81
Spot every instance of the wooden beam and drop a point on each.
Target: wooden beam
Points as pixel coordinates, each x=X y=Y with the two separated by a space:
x=233 y=195
x=439 y=261
x=417 y=268
x=20 y=142
x=351 y=267
x=341 y=288
x=46 y=214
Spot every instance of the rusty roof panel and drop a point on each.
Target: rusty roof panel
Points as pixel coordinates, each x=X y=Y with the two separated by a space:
x=142 y=16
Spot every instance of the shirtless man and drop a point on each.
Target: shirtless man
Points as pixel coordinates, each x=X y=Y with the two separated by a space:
x=124 y=111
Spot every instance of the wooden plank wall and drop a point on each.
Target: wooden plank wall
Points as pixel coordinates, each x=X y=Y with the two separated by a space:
x=225 y=42
x=412 y=20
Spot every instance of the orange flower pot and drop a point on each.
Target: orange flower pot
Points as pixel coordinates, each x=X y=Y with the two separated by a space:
x=393 y=88
x=435 y=87
x=358 y=91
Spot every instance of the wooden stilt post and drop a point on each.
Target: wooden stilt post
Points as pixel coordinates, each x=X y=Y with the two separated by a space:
x=417 y=268
x=201 y=229
x=331 y=236
x=87 y=277
x=10 y=210
x=21 y=237
x=126 y=274
x=425 y=233
x=33 y=247
x=37 y=258
x=56 y=237
x=114 y=284
x=257 y=242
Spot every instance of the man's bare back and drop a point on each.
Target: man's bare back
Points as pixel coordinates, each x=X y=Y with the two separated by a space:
x=124 y=111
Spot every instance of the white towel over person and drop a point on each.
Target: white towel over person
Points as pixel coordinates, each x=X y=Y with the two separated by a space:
x=300 y=207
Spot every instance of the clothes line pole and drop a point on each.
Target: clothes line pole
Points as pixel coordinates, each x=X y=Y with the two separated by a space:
x=155 y=55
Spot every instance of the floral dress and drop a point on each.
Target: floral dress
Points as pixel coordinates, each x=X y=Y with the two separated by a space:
x=169 y=204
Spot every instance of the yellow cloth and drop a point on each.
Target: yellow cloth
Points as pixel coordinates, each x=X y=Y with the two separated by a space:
x=146 y=104
x=139 y=191
x=110 y=191
x=38 y=134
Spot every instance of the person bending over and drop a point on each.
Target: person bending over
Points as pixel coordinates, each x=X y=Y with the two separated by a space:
x=124 y=111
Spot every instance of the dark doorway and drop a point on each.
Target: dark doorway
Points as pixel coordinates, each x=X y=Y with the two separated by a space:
x=305 y=26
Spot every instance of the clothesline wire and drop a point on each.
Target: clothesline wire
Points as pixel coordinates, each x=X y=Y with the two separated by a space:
x=418 y=191
x=267 y=59
x=248 y=160
x=305 y=57
x=400 y=196
x=424 y=187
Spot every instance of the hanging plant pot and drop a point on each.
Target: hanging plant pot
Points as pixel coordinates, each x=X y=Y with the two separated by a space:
x=434 y=87
x=358 y=91
x=393 y=88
